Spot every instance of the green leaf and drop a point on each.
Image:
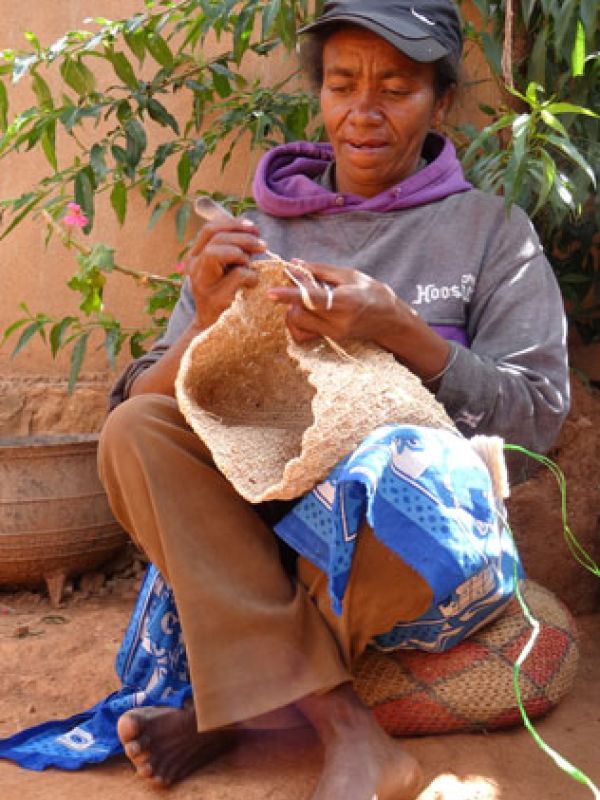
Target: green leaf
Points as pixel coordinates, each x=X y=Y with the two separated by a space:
x=28 y=333
x=527 y=7
x=123 y=68
x=242 y=31
x=485 y=109
x=163 y=151
x=21 y=216
x=221 y=79
x=181 y=220
x=158 y=212
x=22 y=65
x=135 y=22
x=160 y=51
x=102 y=258
x=135 y=347
x=553 y=122
x=91 y=289
x=570 y=108
x=549 y=173
x=197 y=153
x=569 y=150
x=113 y=340
x=98 y=162
x=578 y=52
x=486 y=133
x=120 y=156
x=42 y=92
x=33 y=39
x=78 y=76
x=69 y=117
x=136 y=142
x=563 y=21
x=589 y=10
x=124 y=111
x=297 y=121
x=77 y=357
x=14 y=327
x=160 y=114
x=3 y=107
x=118 y=200
x=516 y=163
x=137 y=44
x=492 y=50
x=84 y=195
x=270 y=12
x=536 y=71
x=531 y=95
x=48 y=142
x=57 y=334
x=184 y=172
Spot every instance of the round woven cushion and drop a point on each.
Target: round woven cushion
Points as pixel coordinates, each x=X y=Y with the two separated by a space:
x=470 y=687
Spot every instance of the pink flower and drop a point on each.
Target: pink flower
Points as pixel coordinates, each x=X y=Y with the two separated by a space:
x=180 y=266
x=75 y=218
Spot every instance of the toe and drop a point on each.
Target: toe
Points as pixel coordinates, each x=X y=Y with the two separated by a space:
x=133 y=749
x=145 y=770
x=128 y=728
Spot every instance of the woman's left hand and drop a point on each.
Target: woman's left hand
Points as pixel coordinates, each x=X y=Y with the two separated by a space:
x=346 y=305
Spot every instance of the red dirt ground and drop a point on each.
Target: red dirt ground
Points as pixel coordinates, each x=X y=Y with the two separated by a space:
x=62 y=663
x=63 y=660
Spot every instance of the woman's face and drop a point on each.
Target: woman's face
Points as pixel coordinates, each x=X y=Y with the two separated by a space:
x=378 y=106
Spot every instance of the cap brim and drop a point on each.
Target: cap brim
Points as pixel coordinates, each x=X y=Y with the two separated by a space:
x=412 y=42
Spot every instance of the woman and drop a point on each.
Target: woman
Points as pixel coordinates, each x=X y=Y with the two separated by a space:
x=410 y=258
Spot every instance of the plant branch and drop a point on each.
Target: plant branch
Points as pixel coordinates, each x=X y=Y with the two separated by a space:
x=140 y=276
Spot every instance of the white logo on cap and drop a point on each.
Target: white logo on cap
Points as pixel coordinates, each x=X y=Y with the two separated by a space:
x=421 y=16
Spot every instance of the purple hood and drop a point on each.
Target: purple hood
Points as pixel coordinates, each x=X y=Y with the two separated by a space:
x=284 y=184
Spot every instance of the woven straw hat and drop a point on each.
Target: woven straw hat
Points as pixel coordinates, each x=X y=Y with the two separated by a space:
x=277 y=416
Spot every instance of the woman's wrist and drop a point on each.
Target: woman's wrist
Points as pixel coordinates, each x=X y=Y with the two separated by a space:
x=415 y=345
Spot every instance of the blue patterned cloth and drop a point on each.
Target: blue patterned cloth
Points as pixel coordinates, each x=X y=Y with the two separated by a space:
x=427 y=496
x=152 y=666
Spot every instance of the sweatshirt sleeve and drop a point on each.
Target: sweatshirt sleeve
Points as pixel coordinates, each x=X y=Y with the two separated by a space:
x=182 y=316
x=513 y=381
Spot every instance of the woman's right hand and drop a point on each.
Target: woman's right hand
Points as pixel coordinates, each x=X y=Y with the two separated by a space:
x=219 y=265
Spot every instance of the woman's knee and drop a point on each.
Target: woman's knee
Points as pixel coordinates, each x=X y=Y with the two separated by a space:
x=129 y=421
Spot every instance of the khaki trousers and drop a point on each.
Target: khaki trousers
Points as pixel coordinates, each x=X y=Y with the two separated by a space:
x=257 y=638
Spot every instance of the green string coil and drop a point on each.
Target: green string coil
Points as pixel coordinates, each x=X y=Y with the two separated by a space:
x=585 y=559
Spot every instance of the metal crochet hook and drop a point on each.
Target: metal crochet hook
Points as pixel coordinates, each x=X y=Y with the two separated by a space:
x=209 y=210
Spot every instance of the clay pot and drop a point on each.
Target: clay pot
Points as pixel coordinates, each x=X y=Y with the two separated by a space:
x=55 y=521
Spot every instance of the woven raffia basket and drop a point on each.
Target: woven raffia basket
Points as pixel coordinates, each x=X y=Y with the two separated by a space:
x=55 y=520
x=277 y=416
x=470 y=687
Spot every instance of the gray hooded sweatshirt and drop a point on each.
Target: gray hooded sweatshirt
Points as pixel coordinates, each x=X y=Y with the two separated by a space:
x=473 y=272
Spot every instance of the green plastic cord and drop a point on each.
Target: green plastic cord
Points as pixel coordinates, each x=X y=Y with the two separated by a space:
x=584 y=558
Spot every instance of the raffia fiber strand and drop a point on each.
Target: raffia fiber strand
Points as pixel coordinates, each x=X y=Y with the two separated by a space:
x=276 y=415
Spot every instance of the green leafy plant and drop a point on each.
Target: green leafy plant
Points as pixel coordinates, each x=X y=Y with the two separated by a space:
x=166 y=43
x=541 y=149
x=537 y=169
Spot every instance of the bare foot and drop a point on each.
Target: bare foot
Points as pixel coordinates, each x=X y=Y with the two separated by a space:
x=164 y=744
x=361 y=761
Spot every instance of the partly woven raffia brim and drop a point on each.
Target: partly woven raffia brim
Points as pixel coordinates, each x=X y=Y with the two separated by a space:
x=277 y=416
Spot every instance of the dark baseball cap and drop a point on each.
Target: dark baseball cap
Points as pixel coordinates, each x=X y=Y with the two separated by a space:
x=424 y=31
